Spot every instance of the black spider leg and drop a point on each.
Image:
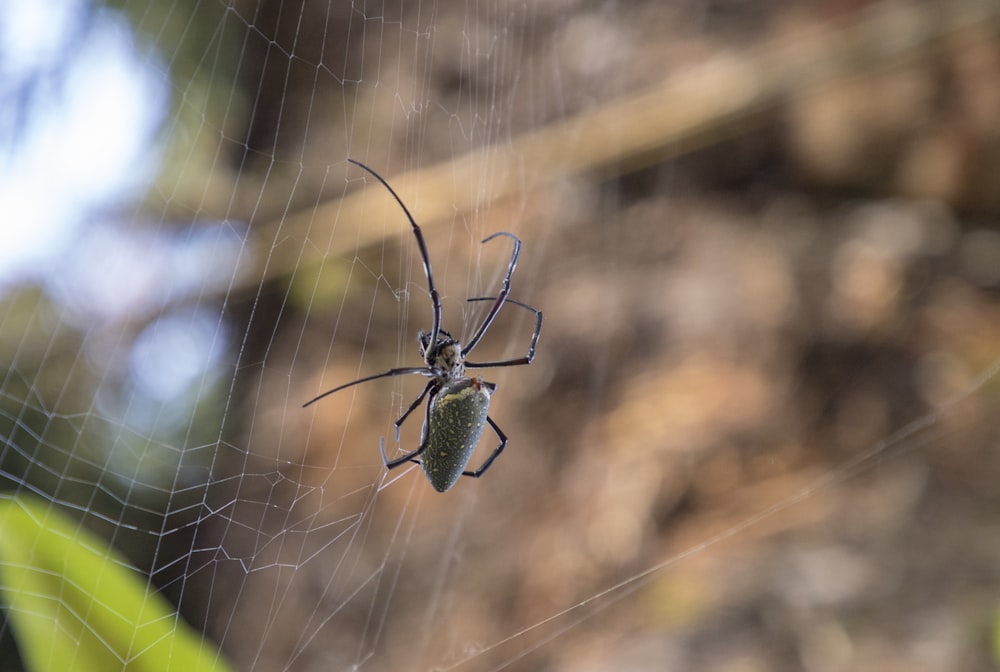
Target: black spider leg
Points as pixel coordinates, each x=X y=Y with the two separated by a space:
x=501 y=296
x=416 y=402
x=424 y=255
x=494 y=455
x=424 y=441
x=423 y=370
x=527 y=359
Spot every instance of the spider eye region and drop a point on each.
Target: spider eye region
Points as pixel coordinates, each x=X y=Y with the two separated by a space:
x=449 y=359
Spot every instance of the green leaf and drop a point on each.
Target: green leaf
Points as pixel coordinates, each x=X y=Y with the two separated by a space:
x=74 y=604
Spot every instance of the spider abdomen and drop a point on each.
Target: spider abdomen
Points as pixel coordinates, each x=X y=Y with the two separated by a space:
x=456 y=420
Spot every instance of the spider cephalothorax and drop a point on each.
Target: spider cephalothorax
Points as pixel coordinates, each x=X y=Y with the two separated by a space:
x=457 y=406
x=446 y=356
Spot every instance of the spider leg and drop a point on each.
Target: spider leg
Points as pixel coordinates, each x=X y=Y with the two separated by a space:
x=424 y=254
x=424 y=442
x=527 y=359
x=494 y=455
x=416 y=402
x=423 y=370
x=501 y=296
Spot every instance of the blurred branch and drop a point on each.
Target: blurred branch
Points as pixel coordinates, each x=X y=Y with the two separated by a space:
x=694 y=109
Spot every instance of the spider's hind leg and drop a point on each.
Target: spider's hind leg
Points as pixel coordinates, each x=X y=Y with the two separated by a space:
x=409 y=457
x=424 y=438
x=416 y=402
x=494 y=455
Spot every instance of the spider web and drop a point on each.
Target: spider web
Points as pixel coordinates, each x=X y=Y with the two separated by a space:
x=759 y=429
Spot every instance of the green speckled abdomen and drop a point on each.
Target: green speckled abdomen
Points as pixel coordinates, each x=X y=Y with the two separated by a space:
x=457 y=417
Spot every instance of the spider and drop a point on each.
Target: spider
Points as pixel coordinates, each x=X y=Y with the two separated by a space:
x=457 y=405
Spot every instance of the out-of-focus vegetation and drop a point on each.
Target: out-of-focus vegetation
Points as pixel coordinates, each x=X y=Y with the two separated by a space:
x=73 y=604
x=746 y=311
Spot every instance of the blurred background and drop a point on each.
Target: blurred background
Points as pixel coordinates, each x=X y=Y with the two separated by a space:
x=760 y=431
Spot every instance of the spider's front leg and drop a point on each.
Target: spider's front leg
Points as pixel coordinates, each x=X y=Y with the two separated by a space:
x=520 y=361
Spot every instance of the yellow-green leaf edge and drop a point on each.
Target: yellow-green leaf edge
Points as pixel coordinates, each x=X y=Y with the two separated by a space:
x=73 y=604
